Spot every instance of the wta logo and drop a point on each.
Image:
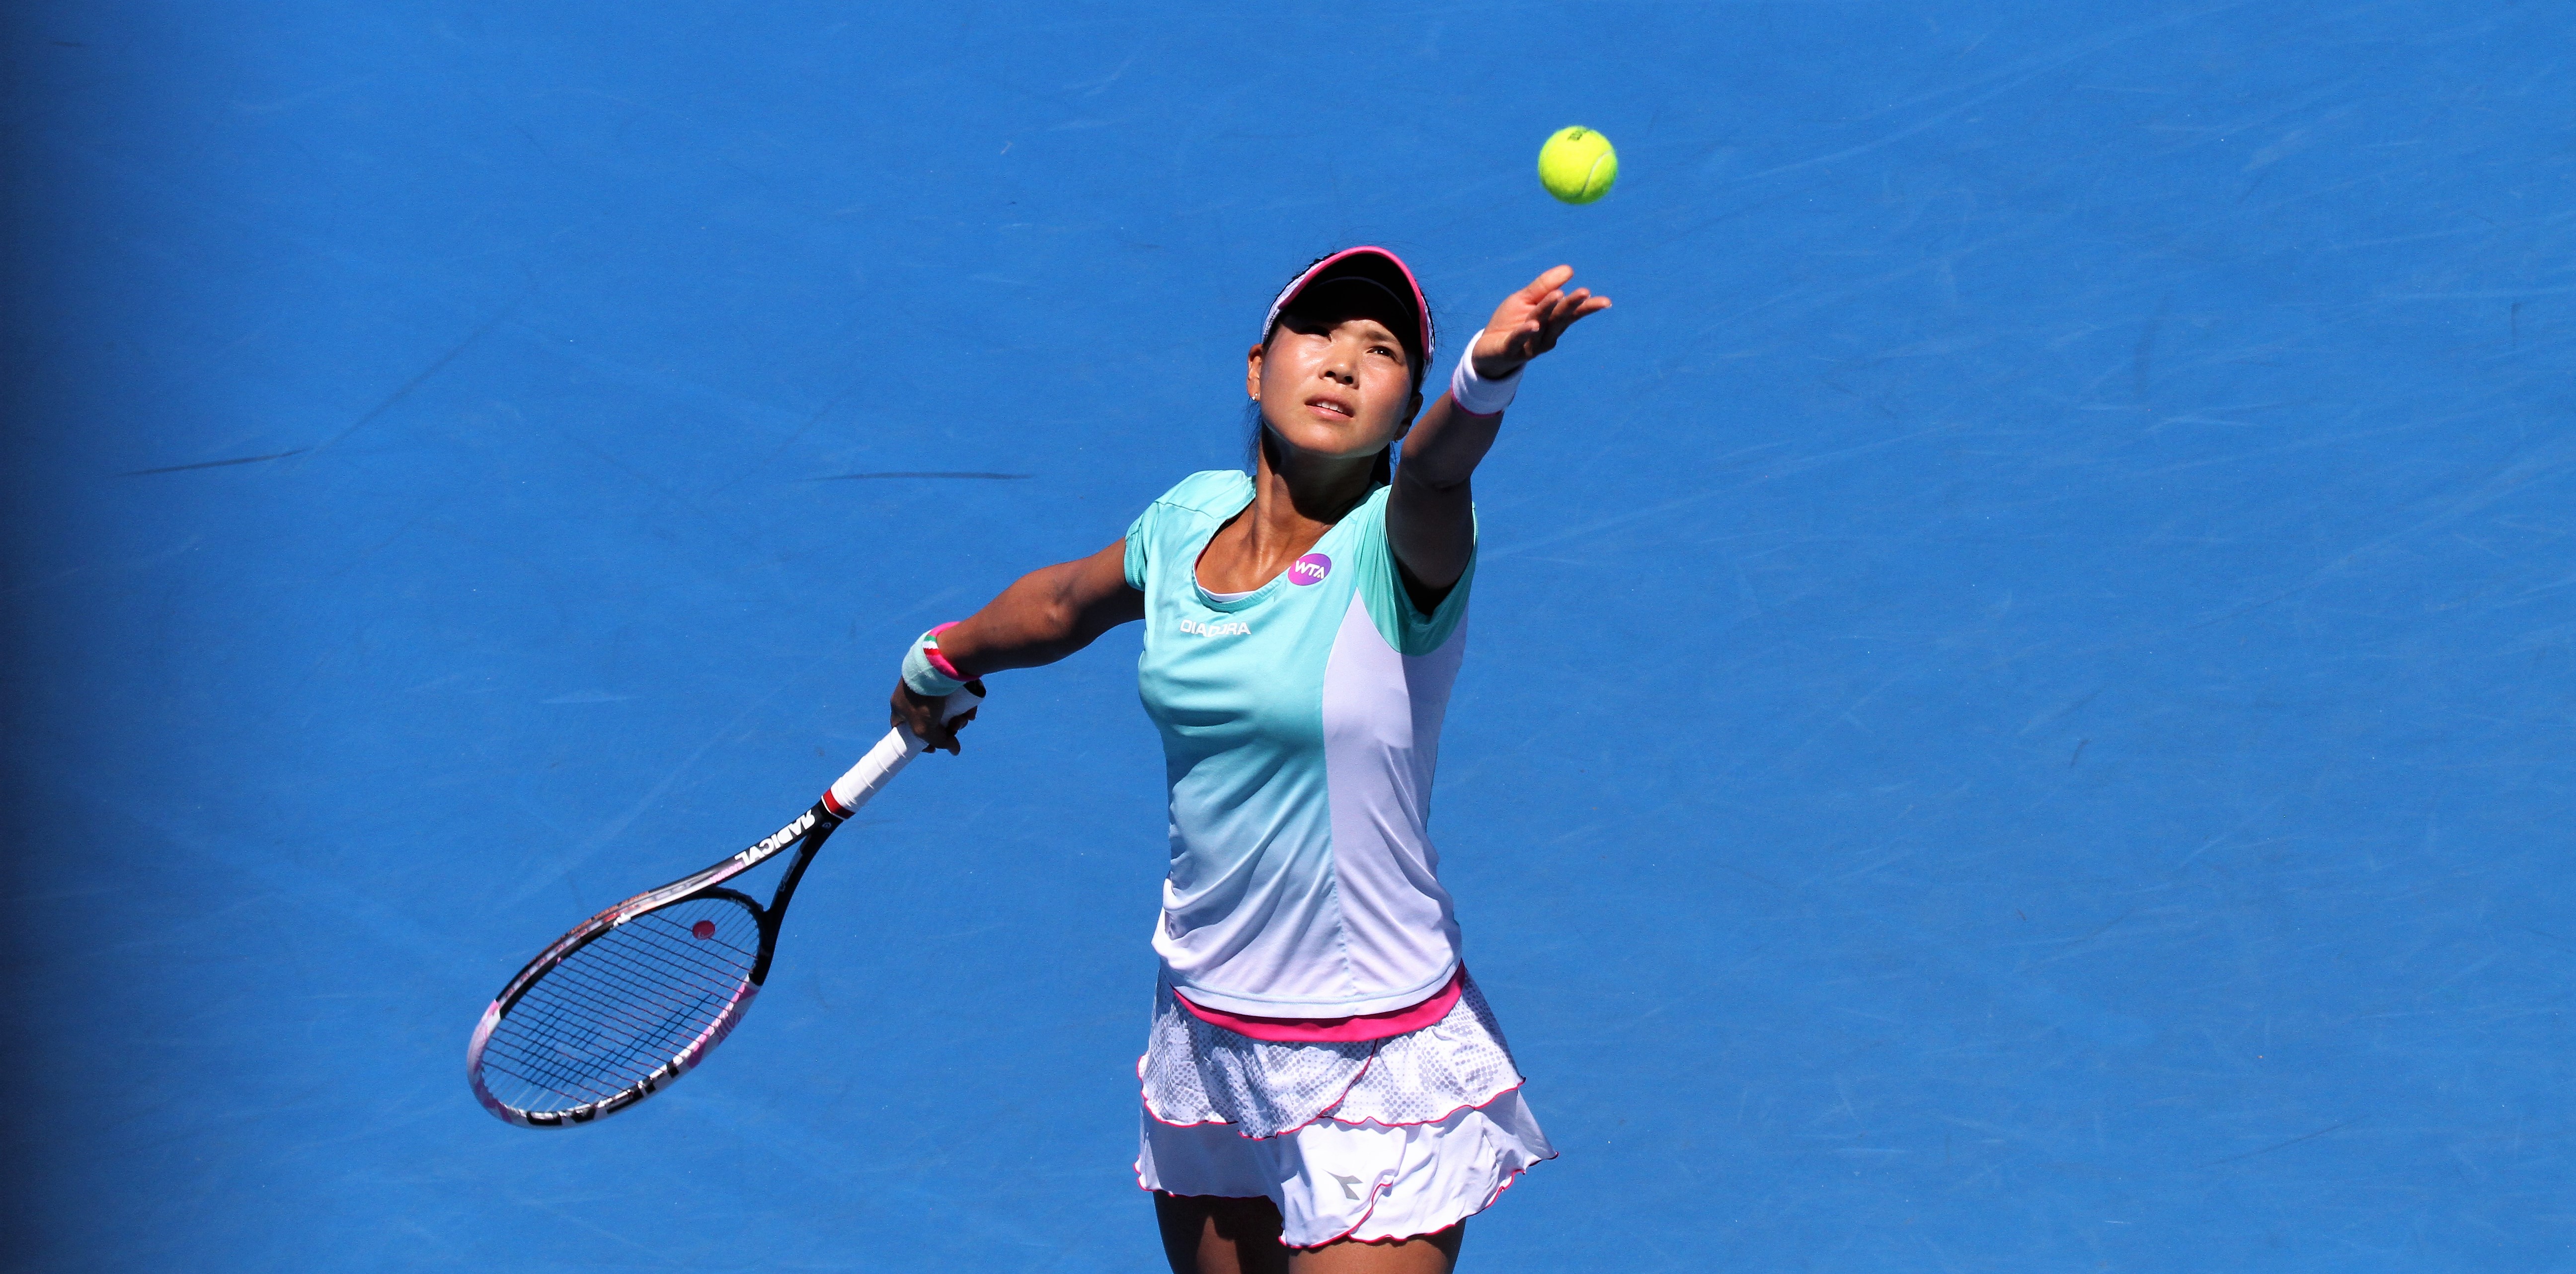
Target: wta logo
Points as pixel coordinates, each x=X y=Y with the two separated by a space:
x=1310 y=569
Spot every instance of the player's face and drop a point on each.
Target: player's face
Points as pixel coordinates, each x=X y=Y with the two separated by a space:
x=1334 y=384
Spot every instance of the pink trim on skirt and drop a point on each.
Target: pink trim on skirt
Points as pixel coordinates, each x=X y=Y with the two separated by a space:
x=1337 y=1030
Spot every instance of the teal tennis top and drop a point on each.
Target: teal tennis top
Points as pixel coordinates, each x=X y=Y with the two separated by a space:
x=1301 y=725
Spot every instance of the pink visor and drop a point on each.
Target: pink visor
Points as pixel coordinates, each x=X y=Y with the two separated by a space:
x=1369 y=265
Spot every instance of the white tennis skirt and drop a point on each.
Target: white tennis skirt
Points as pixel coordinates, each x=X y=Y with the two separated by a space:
x=1377 y=1141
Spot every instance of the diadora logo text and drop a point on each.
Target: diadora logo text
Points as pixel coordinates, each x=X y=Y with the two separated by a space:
x=1310 y=569
x=1221 y=628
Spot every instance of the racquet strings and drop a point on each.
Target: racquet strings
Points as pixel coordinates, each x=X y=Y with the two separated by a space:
x=626 y=1002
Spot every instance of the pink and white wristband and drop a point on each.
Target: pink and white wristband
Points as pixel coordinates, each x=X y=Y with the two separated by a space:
x=1476 y=395
x=928 y=672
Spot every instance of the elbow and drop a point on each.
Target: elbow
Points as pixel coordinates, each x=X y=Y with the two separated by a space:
x=1063 y=623
x=1428 y=474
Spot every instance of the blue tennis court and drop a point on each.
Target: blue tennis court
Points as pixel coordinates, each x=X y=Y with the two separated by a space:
x=2018 y=714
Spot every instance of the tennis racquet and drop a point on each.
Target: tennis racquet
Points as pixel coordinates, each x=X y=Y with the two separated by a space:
x=636 y=996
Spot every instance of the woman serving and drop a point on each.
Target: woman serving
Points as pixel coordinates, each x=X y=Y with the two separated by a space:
x=1324 y=1087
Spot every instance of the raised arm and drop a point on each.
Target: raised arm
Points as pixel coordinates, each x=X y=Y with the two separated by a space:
x=1046 y=615
x=1430 y=515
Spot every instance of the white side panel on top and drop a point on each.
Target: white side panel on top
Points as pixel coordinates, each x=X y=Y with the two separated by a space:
x=1382 y=715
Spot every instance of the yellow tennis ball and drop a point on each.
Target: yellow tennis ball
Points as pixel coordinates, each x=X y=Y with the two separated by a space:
x=1577 y=165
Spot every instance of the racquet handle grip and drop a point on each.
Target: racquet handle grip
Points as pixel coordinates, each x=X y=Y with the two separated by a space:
x=887 y=759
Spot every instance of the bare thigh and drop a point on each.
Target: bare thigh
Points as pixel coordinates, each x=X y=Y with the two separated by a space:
x=1241 y=1236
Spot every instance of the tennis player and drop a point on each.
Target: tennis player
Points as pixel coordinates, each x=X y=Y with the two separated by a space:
x=1324 y=1087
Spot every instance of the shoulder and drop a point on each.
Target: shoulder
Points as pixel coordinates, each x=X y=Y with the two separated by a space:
x=1212 y=496
x=1379 y=579
x=1193 y=505
x=1214 y=492
x=1367 y=519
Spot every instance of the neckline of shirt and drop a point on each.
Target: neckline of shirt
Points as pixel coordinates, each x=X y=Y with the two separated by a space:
x=1217 y=601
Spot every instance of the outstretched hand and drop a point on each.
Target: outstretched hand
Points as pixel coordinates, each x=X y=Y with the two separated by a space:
x=1528 y=322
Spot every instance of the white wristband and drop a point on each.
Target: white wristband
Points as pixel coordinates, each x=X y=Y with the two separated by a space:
x=1476 y=395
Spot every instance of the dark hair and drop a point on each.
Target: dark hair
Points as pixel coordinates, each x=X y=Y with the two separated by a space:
x=1257 y=431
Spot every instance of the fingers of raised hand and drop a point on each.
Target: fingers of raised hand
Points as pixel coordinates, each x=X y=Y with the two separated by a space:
x=1519 y=308
x=1577 y=305
x=1548 y=282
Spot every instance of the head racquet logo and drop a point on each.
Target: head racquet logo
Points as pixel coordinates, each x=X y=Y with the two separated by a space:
x=1310 y=569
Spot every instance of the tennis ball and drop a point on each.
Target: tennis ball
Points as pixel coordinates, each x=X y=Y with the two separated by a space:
x=1577 y=165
